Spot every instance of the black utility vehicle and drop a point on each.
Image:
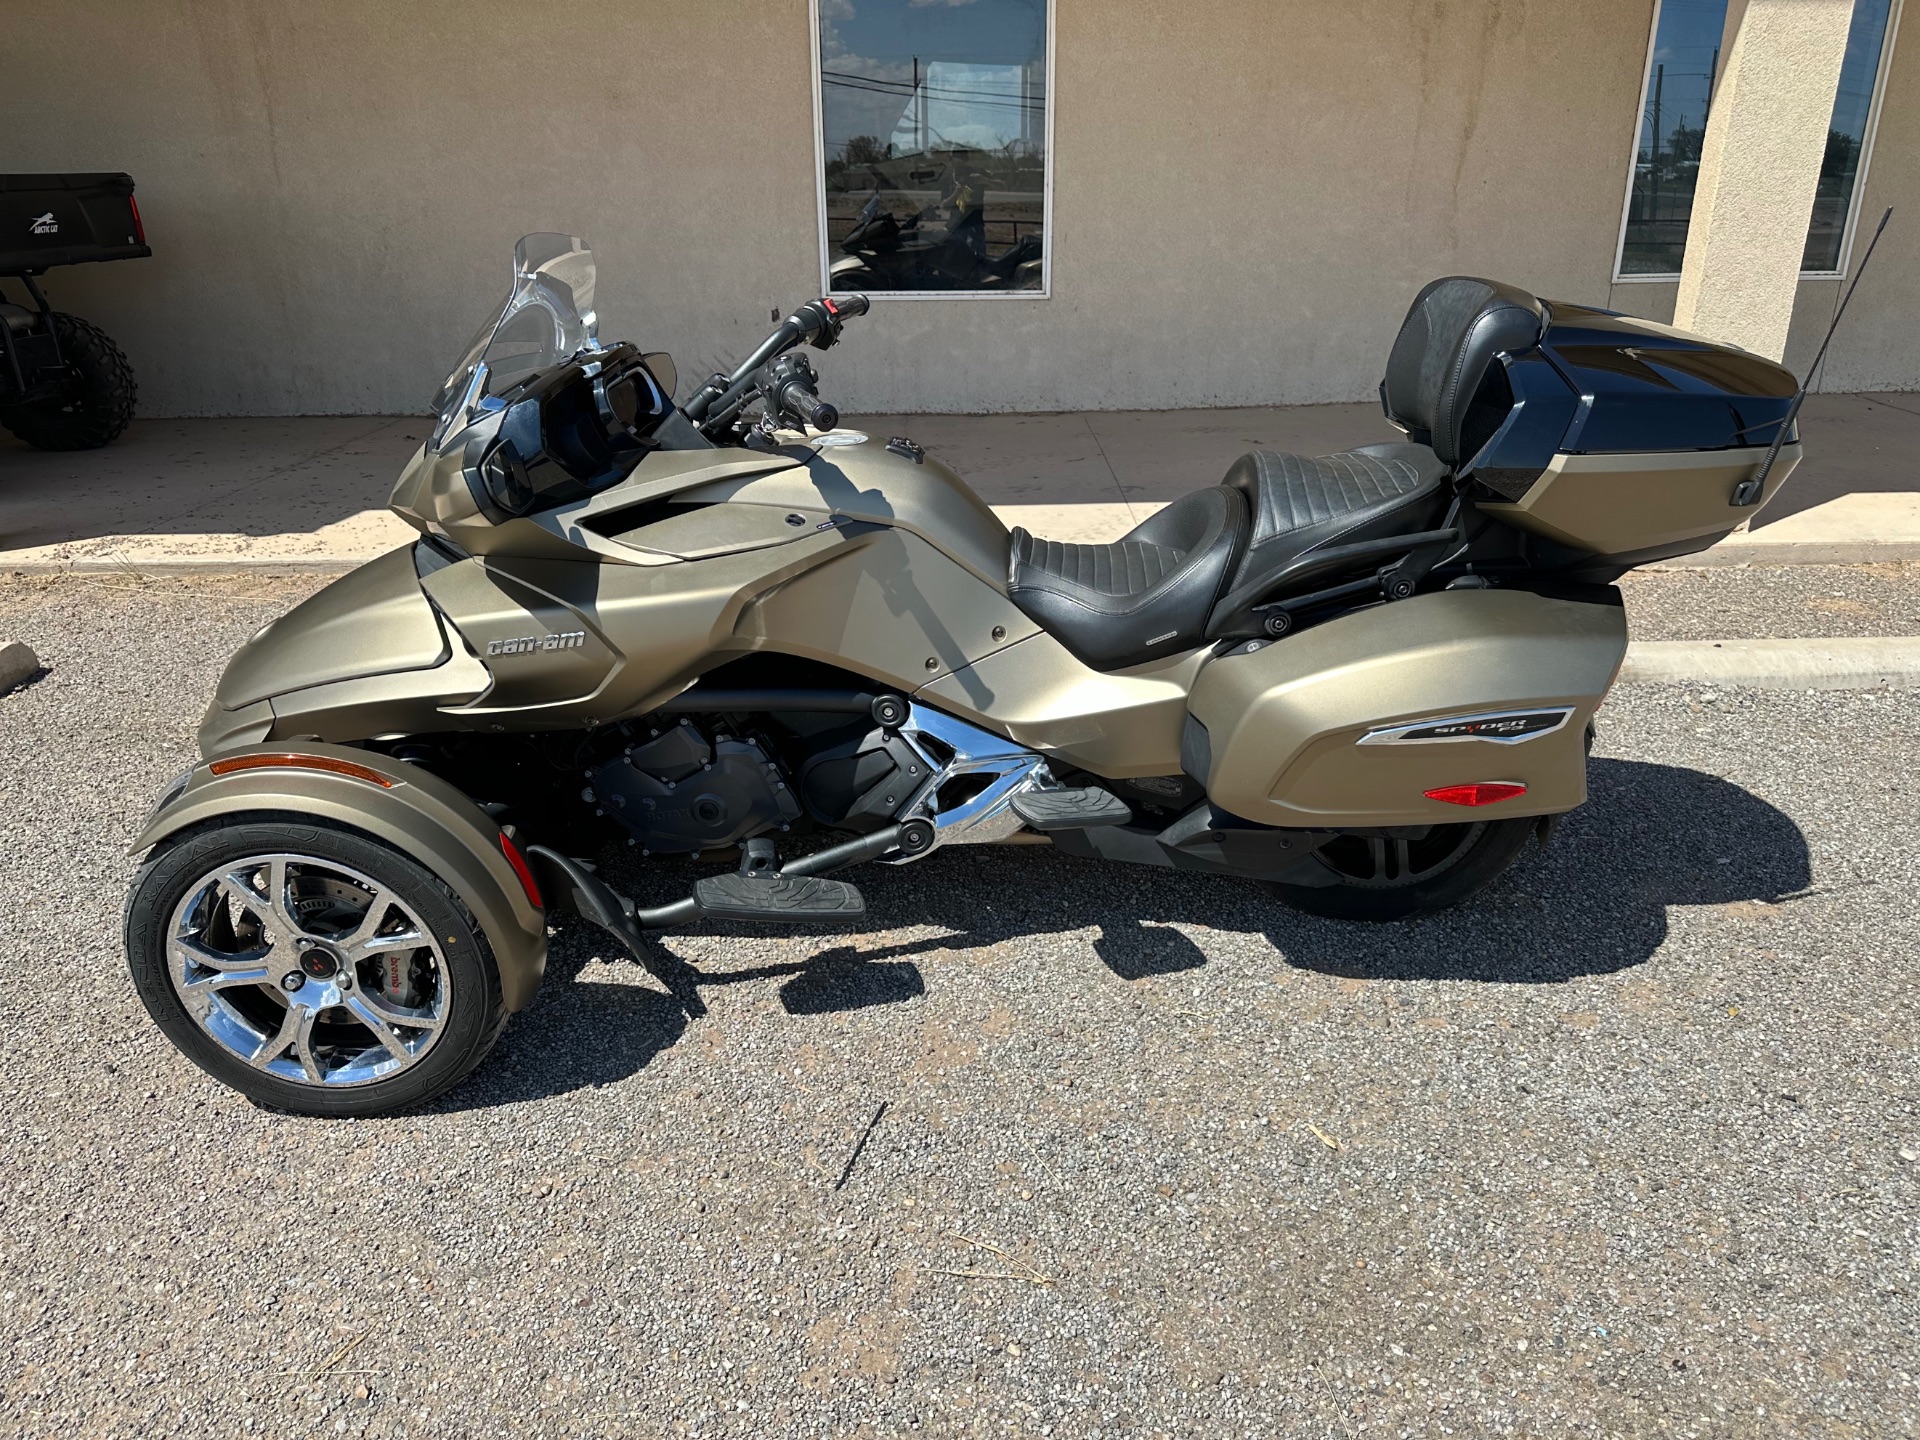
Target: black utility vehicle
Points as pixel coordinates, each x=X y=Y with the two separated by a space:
x=63 y=384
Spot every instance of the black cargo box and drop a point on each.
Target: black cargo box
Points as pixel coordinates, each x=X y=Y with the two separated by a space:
x=50 y=220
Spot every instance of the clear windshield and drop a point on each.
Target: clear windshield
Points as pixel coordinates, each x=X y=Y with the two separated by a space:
x=548 y=317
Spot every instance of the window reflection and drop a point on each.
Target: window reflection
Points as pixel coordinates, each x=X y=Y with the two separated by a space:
x=1673 y=122
x=1847 y=135
x=1680 y=79
x=934 y=135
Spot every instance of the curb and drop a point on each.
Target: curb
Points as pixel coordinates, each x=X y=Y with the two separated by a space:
x=1848 y=663
x=189 y=565
x=1732 y=554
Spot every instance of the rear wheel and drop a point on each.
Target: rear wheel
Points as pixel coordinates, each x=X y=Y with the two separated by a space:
x=312 y=968
x=1383 y=878
x=94 y=406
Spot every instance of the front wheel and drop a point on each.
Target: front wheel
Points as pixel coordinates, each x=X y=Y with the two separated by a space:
x=1388 y=878
x=93 y=406
x=310 y=967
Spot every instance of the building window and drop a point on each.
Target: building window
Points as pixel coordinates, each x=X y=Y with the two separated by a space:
x=1847 y=135
x=933 y=145
x=1681 y=73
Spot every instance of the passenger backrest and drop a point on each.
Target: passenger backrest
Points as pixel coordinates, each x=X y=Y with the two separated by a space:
x=1446 y=346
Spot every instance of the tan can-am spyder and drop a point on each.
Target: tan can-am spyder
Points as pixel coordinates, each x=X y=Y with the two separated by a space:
x=1362 y=681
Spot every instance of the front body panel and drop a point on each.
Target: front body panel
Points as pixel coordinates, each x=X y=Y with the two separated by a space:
x=1285 y=725
x=872 y=484
x=859 y=557
x=373 y=621
x=892 y=607
x=418 y=813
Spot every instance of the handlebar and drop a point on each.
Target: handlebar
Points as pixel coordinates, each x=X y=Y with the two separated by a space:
x=790 y=394
x=815 y=323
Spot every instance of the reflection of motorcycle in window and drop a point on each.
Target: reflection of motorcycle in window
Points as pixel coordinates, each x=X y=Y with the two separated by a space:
x=941 y=247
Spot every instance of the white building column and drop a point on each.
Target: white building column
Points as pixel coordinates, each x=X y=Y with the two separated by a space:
x=1759 y=166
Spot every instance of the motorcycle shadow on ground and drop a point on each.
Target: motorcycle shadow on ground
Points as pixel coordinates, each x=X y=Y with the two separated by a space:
x=1596 y=901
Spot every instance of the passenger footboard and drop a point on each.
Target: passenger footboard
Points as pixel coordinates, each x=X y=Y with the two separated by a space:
x=1358 y=722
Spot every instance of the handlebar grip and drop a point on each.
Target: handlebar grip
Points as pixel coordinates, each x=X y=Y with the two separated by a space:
x=799 y=399
x=794 y=397
x=850 y=305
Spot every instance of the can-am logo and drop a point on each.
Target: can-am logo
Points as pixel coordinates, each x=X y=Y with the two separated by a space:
x=44 y=225
x=527 y=644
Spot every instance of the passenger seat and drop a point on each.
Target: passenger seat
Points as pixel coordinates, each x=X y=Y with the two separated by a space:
x=1195 y=571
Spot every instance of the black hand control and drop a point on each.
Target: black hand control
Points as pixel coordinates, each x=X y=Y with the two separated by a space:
x=791 y=394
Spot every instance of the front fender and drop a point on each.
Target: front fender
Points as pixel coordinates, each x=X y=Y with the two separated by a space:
x=415 y=812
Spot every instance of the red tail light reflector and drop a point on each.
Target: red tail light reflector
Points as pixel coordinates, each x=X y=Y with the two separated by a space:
x=522 y=869
x=139 y=225
x=1483 y=792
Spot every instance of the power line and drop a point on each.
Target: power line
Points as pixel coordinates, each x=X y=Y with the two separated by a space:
x=1036 y=106
x=883 y=80
x=901 y=90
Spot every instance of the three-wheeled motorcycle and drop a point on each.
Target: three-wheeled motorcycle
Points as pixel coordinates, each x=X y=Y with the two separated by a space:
x=728 y=628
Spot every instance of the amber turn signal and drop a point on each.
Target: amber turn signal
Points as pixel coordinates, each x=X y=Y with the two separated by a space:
x=292 y=761
x=1484 y=792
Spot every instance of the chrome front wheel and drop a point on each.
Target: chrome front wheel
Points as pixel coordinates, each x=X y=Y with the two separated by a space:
x=307 y=969
x=311 y=967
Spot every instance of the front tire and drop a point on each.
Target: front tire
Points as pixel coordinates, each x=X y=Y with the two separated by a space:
x=310 y=967
x=96 y=406
x=1380 y=879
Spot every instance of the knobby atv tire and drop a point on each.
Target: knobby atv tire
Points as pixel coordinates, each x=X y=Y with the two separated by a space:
x=98 y=407
x=479 y=1012
x=1490 y=855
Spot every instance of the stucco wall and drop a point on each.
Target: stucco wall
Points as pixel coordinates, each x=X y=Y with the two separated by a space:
x=1247 y=192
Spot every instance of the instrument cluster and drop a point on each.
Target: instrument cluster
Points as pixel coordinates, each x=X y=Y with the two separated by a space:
x=568 y=431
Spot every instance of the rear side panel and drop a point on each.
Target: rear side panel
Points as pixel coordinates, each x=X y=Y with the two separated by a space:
x=1629 y=504
x=1284 y=725
x=1113 y=723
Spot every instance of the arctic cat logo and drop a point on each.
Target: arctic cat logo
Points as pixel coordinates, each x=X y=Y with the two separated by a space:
x=44 y=225
x=526 y=645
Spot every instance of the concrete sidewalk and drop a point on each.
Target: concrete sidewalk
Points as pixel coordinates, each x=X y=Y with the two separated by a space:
x=310 y=492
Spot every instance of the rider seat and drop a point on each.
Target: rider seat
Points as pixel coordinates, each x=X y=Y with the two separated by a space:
x=1146 y=595
x=1280 y=523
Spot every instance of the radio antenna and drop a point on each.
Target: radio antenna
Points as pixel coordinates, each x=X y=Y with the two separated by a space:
x=1749 y=491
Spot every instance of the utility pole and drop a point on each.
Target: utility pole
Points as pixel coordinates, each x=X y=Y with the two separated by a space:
x=1653 y=167
x=920 y=106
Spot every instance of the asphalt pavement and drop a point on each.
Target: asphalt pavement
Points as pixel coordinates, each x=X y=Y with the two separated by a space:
x=1797 y=602
x=1631 y=1146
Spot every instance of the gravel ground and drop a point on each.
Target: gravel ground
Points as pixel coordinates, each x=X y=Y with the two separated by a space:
x=1789 y=601
x=1630 y=1147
